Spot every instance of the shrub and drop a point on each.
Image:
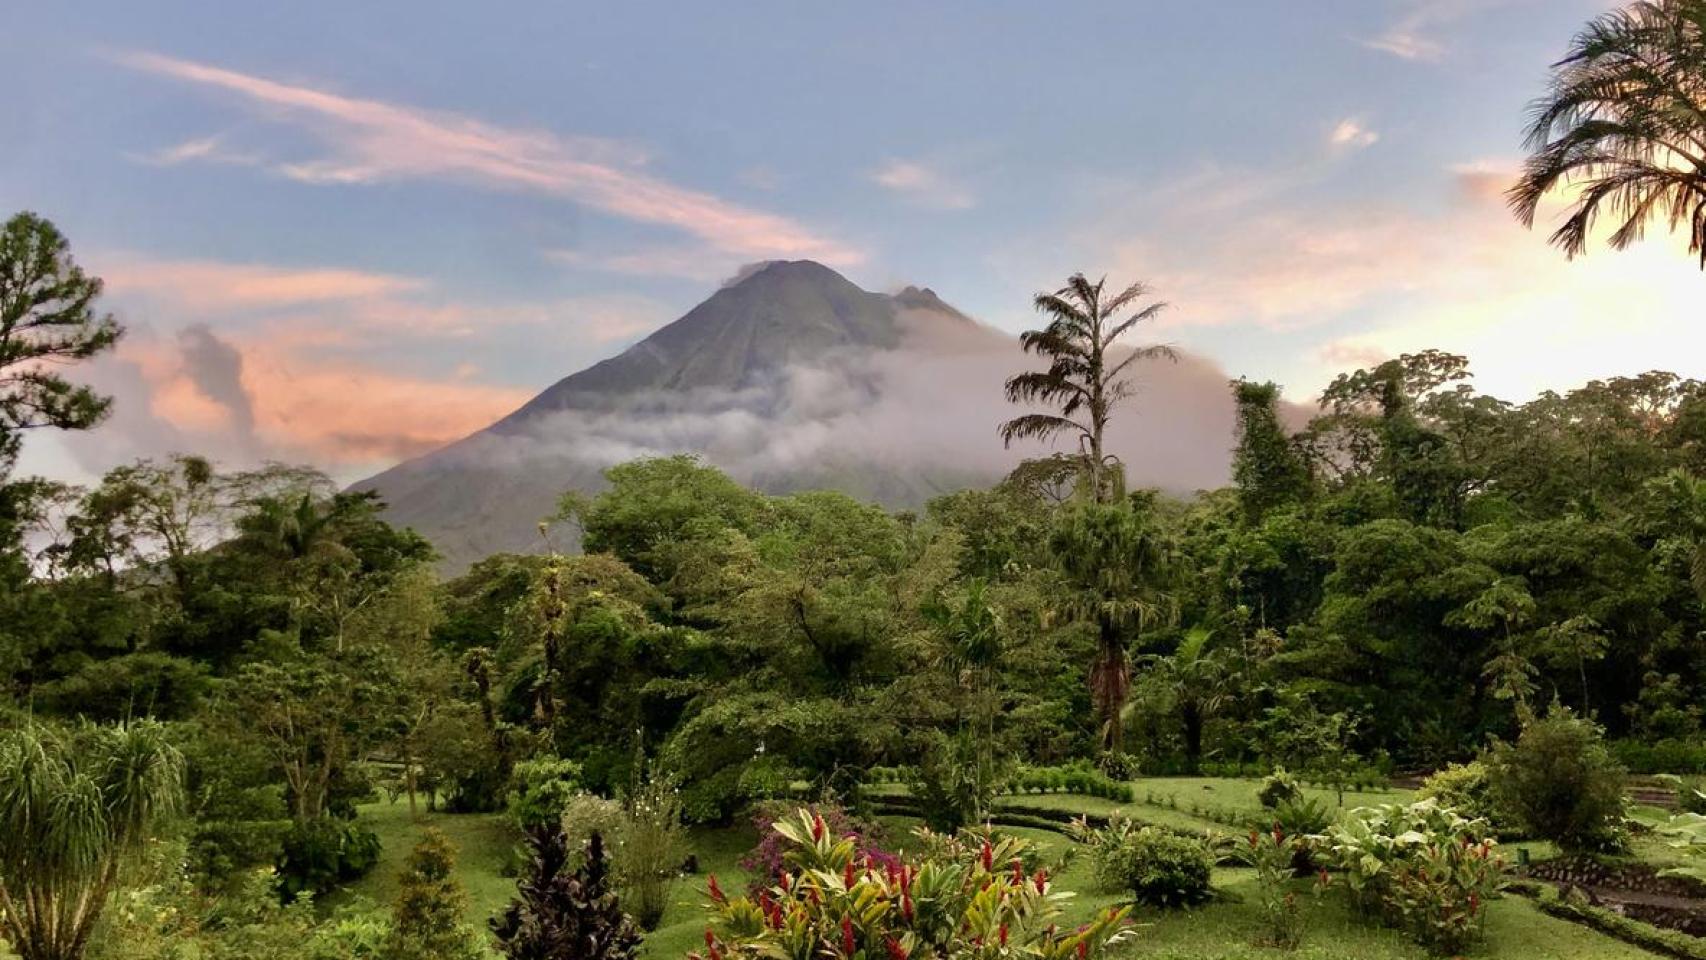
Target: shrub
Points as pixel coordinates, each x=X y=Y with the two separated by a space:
x=1558 y=782
x=958 y=901
x=1463 y=787
x=318 y=855
x=1421 y=867
x=584 y=815
x=1661 y=756
x=1156 y=867
x=1691 y=795
x=539 y=790
x=767 y=861
x=1277 y=788
x=1274 y=853
x=563 y=913
x=649 y=849
x=1300 y=819
x=427 y=920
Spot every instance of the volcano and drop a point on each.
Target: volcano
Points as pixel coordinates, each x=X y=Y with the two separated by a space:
x=790 y=377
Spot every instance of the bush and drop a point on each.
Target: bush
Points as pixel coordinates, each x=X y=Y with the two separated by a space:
x=1691 y=795
x=1662 y=756
x=1157 y=867
x=1277 y=788
x=1559 y=782
x=1421 y=867
x=649 y=849
x=766 y=861
x=960 y=900
x=1274 y=854
x=427 y=920
x=318 y=855
x=584 y=815
x=1463 y=787
x=539 y=791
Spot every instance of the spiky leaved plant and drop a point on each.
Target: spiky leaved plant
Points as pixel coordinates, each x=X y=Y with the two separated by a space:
x=73 y=806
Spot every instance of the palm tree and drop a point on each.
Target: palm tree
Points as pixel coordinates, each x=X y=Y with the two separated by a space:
x=1114 y=564
x=972 y=637
x=73 y=806
x=1079 y=381
x=1625 y=122
x=1195 y=679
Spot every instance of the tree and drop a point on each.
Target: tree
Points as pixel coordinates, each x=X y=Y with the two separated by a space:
x=1083 y=382
x=1114 y=564
x=427 y=920
x=1266 y=466
x=1194 y=679
x=73 y=806
x=1506 y=606
x=47 y=319
x=1624 y=122
x=558 y=913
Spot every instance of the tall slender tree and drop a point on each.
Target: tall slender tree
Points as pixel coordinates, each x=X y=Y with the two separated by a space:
x=1115 y=567
x=1624 y=122
x=1086 y=376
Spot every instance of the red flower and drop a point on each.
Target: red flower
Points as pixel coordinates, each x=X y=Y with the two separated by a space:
x=1083 y=949
x=710 y=939
x=1018 y=872
x=847 y=876
x=988 y=856
x=906 y=905
x=716 y=891
x=896 y=951
x=1004 y=935
x=817 y=826
x=847 y=935
x=1042 y=880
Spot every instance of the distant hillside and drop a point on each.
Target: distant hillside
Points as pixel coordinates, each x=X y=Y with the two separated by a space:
x=790 y=378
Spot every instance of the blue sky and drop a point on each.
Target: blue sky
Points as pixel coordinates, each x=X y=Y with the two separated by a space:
x=348 y=232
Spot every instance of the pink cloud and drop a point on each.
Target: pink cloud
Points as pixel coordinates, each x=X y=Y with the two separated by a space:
x=208 y=285
x=923 y=184
x=374 y=141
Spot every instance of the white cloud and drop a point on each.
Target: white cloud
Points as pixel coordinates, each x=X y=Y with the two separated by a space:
x=923 y=185
x=1351 y=132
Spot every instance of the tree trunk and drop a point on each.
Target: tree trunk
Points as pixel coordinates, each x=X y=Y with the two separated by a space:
x=1193 y=722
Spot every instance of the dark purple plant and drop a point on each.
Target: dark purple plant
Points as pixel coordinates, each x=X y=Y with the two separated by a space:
x=765 y=861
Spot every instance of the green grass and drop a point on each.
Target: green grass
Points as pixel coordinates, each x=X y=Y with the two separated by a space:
x=1222 y=930
x=1228 y=928
x=483 y=843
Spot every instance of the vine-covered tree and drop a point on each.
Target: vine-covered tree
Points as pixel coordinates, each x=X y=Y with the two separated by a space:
x=1086 y=376
x=1624 y=123
x=1266 y=465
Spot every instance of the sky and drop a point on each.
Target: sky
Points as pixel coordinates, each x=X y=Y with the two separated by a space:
x=348 y=233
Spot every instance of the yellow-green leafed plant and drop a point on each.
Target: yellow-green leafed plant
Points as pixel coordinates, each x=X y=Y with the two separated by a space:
x=966 y=898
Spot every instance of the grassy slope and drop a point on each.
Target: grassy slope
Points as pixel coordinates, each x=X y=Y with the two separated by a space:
x=1223 y=930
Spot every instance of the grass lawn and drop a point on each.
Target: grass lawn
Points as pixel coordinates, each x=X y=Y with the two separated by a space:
x=1223 y=930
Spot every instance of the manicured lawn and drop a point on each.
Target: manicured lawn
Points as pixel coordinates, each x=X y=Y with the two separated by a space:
x=483 y=843
x=1222 y=930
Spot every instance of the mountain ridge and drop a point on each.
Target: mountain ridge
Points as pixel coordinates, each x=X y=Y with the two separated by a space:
x=789 y=377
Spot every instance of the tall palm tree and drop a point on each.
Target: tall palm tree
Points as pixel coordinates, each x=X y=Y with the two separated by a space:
x=1196 y=678
x=1624 y=122
x=1114 y=564
x=73 y=806
x=1083 y=382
